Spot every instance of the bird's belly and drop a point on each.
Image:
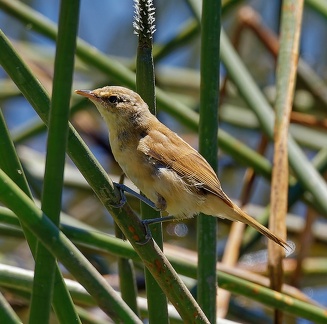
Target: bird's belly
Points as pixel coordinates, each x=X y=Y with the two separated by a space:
x=182 y=200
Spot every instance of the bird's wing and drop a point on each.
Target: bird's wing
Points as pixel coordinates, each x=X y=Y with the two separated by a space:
x=170 y=150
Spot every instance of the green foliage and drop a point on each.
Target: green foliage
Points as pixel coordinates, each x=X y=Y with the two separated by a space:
x=66 y=241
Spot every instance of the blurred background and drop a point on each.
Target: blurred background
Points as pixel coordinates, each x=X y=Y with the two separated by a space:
x=107 y=25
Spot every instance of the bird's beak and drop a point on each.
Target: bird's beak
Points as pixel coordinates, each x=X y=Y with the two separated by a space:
x=88 y=94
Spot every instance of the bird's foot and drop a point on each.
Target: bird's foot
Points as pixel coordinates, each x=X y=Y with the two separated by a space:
x=123 y=188
x=147 y=222
x=123 y=199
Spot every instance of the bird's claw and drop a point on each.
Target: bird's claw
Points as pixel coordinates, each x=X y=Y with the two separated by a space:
x=147 y=222
x=123 y=199
x=148 y=235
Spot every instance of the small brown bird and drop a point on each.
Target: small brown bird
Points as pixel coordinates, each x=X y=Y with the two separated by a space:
x=163 y=166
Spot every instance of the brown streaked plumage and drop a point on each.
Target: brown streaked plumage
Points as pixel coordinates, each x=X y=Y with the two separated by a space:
x=162 y=165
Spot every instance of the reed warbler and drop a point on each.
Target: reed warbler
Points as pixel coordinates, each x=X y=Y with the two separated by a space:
x=172 y=174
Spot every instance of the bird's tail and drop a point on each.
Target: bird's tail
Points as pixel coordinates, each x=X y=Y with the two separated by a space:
x=243 y=217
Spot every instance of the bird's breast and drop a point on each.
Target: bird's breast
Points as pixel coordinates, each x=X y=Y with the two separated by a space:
x=134 y=163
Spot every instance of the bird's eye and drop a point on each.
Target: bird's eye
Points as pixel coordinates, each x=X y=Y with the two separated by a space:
x=113 y=99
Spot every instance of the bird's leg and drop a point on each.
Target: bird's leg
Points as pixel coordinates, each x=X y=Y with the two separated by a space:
x=122 y=188
x=150 y=221
x=146 y=222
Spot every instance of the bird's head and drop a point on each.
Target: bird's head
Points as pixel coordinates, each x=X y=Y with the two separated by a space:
x=117 y=104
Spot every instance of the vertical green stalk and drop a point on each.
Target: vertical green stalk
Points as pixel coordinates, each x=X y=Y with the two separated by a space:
x=126 y=273
x=286 y=76
x=127 y=281
x=45 y=263
x=145 y=85
x=208 y=127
